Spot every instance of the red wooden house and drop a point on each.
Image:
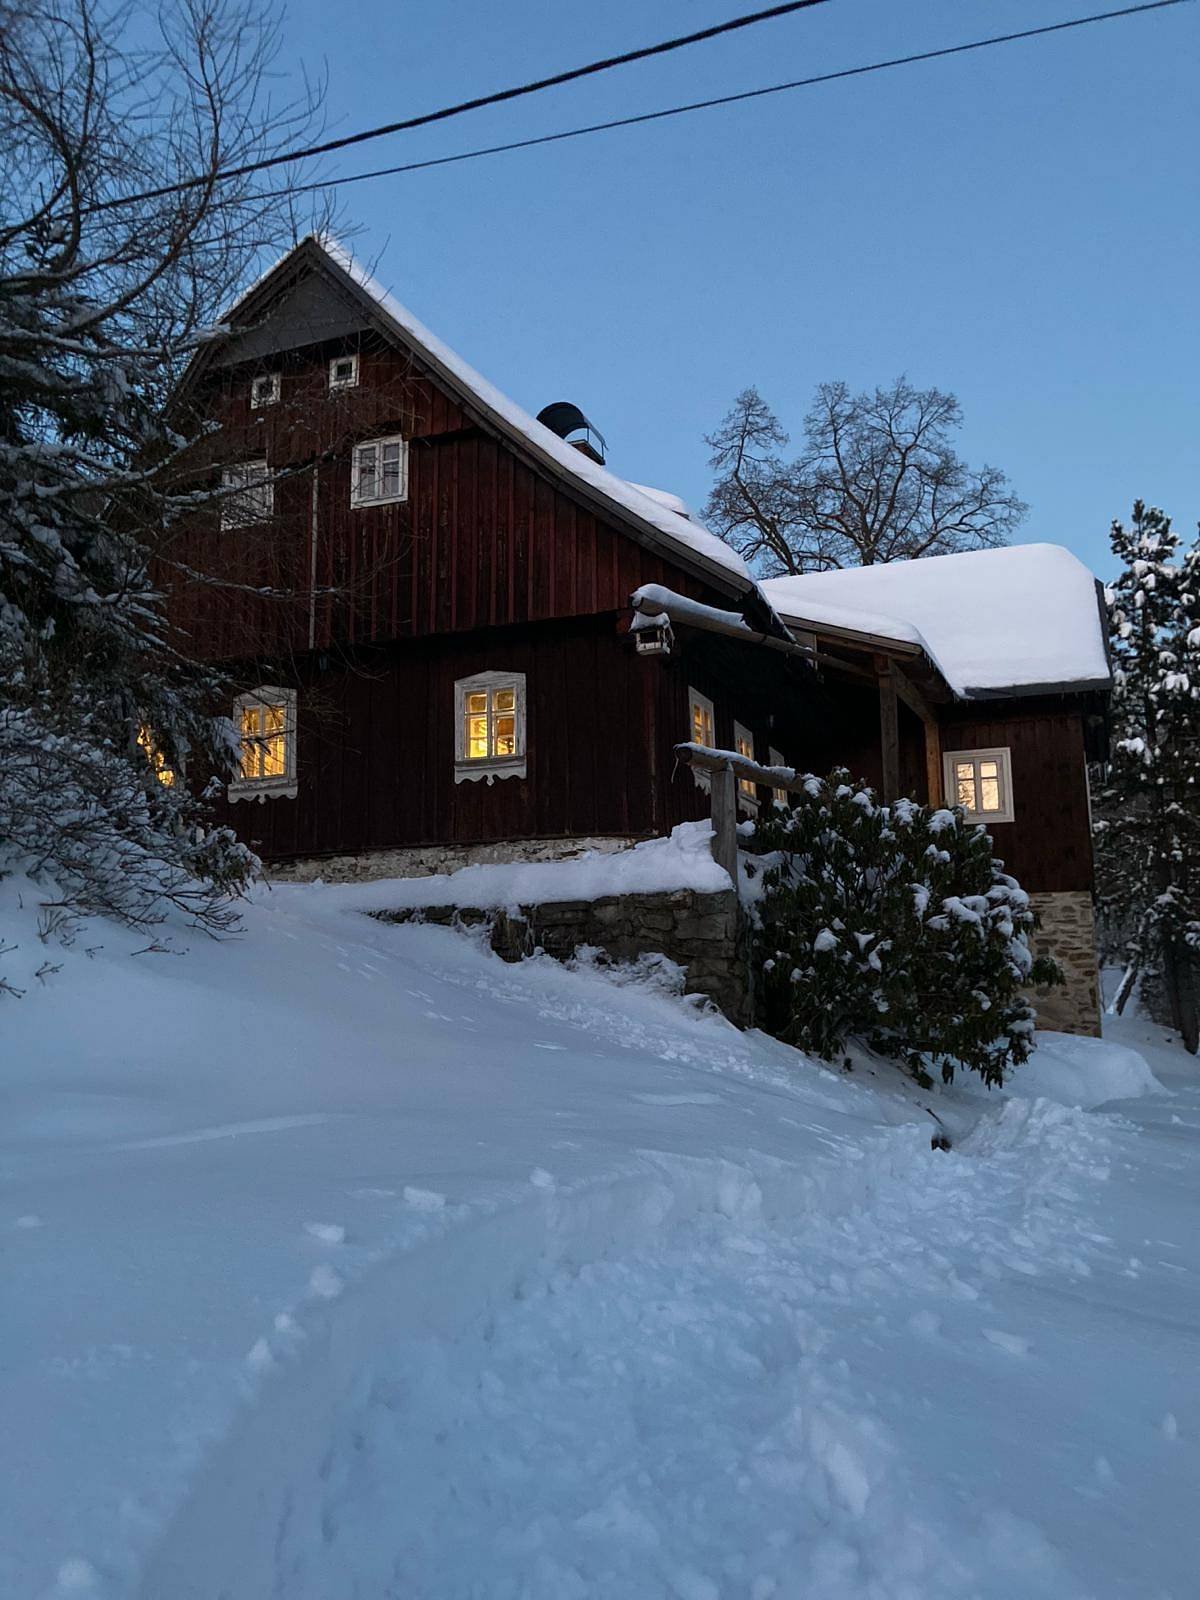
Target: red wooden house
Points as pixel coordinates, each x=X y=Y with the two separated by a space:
x=462 y=637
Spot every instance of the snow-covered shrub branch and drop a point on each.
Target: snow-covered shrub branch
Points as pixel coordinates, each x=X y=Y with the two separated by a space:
x=104 y=296
x=893 y=924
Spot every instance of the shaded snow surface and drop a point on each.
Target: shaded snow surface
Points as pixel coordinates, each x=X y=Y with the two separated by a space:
x=1023 y=617
x=342 y=1260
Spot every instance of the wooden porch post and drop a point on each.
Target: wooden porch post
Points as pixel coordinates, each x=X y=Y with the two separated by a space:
x=724 y=820
x=889 y=730
x=933 y=764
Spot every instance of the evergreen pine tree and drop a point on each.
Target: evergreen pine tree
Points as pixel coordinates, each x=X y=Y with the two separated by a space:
x=1148 y=812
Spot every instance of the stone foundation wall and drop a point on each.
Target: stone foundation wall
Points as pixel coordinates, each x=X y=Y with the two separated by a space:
x=1068 y=933
x=700 y=932
x=421 y=861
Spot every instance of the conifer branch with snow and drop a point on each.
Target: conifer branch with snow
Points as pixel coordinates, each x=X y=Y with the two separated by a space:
x=102 y=302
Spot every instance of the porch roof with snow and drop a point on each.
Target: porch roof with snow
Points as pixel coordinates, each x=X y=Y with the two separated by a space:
x=657 y=519
x=1024 y=620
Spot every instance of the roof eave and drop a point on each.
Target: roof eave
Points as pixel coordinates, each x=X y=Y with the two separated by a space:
x=1027 y=691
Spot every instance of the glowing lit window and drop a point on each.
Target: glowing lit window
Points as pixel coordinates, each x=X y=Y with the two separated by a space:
x=489 y=714
x=379 y=472
x=265 y=723
x=779 y=797
x=747 y=789
x=980 y=781
x=249 y=494
x=158 y=762
x=702 y=724
x=702 y=718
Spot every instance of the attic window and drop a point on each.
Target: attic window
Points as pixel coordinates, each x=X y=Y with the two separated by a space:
x=343 y=372
x=379 y=472
x=264 y=390
x=980 y=781
x=747 y=789
x=489 y=715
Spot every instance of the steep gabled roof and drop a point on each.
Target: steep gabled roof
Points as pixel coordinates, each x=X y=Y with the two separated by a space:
x=1019 y=621
x=647 y=517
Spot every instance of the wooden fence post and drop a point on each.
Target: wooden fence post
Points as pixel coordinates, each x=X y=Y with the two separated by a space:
x=724 y=820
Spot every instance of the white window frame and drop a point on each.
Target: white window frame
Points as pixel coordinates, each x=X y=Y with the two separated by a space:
x=1002 y=756
x=258 y=399
x=249 y=496
x=779 y=797
x=350 y=382
x=470 y=769
x=282 y=785
x=747 y=789
x=701 y=702
x=357 y=497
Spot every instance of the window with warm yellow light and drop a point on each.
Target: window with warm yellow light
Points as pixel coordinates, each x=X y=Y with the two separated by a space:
x=747 y=789
x=164 y=773
x=703 y=719
x=980 y=781
x=490 y=713
x=265 y=721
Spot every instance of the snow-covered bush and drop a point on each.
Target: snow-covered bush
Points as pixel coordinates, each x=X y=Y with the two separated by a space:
x=892 y=924
x=109 y=282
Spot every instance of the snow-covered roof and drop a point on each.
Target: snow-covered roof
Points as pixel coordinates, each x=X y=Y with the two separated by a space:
x=658 y=513
x=664 y=497
x=992 y=621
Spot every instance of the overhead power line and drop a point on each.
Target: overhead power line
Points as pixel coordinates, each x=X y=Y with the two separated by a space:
x=644 y=53
x=727 y=99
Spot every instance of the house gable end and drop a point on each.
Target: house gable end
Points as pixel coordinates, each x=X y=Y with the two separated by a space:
x=311 y=310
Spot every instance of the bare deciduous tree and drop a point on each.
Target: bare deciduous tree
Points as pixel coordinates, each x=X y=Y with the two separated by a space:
x=877 y=481
x=104 y=296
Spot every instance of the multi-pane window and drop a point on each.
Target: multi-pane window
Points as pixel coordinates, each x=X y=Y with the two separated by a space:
x=264 y=391
x=265 y=720
x=779 y=797
x=980 y=781
x=379 y=472
x=158 y=762
x=747 y=789
x=249 y=494
x=702 y=718
x=490 y=735
x=343 y=372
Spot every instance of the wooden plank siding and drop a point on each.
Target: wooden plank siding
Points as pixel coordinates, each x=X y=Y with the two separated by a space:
x=1048 y=848
x=376 y=732
x=484 y=539
x=493 y=563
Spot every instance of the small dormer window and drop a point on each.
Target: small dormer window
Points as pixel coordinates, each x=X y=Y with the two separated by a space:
x=264 y=390
x=343 y=372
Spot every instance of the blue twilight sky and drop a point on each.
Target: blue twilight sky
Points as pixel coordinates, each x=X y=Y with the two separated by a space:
x=1019 y=225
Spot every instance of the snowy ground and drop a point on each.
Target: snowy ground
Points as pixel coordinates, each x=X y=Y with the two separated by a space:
x=344 y=1261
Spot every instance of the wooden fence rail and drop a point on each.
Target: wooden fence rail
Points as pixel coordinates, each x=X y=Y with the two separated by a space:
x=725 y=767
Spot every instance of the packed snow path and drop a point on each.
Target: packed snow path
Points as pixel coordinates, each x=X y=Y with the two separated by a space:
x=345 y=1261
